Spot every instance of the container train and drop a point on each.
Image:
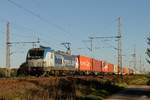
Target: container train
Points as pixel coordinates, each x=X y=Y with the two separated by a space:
x=46 y=61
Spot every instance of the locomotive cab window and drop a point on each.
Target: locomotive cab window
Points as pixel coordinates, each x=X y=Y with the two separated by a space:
x=35 y=54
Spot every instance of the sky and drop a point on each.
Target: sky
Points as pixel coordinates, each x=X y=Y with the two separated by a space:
x=57 y=21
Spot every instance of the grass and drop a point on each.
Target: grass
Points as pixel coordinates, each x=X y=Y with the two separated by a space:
x=141 y=79
x=82 y=88
x=4 y=71
x=56 y=88
x=67 y=88
x=89 y=97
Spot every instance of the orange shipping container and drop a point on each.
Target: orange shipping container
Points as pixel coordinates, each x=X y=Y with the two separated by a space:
x=104 y=67
x=110 y=68
x=85 y=63
x=125 y=71
x=96 y=65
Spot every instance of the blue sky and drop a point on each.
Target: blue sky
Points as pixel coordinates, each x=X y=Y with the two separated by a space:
x=75 y=21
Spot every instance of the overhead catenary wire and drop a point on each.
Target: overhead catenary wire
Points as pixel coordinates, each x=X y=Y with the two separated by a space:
x=17 y=27
x=24 y=28
x=37 y=16
x=47 y=43
x=27 y=34
x=29 y=31
x=37 y=3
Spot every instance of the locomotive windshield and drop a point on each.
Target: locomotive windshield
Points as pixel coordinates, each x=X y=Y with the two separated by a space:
x=35 y=54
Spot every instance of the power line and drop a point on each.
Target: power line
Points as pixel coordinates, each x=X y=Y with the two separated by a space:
x=46 y=42
x=32 y=36
x=96 y=37
x=37 y=16
x=17 y=26
x=18 y=36
x=20 y=27
x=85 y=41
x=26 y=34
x=37 y=3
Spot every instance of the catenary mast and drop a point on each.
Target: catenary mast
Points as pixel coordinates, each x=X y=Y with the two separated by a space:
x=120 y=44
x=8 y=49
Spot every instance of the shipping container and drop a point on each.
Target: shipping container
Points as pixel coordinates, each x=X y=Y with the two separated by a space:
x=96 y=65
x=116 y=69
x=125 y=71
x=110 y=68
x=85 y=63
x=104 y=67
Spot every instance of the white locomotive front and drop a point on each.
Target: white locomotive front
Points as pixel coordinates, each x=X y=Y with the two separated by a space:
x=40 y=57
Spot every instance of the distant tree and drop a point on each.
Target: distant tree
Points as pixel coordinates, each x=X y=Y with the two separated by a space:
x=148 y=49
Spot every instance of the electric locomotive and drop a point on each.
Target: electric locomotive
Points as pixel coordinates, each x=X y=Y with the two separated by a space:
x=44 y=60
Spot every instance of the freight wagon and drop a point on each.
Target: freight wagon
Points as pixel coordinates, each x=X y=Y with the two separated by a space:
x=110 y=68
x=125 y=71
x=84 y=63
x=116 y=69
x=89 y=65
x=96 y=65
x=104 y=67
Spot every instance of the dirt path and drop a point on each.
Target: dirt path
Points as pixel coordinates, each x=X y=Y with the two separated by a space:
x=132 y=93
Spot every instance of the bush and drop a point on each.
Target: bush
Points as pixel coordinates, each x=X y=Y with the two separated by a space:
x=2 y=72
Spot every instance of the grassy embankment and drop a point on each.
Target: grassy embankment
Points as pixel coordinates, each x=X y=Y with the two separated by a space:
x=69 y=88
x=56 y=88
x=140 y=79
